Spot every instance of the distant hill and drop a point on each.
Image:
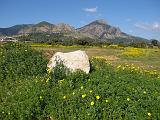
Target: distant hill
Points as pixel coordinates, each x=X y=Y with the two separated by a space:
x=98 y=31
x=102 y=31
x=14 y=30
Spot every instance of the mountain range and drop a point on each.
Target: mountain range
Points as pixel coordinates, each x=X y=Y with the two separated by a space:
x=98 y=30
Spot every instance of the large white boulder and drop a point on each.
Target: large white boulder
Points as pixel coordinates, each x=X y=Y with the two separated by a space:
x=72 y=60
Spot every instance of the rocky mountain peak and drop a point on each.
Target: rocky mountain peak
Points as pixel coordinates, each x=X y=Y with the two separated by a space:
x=95 y=28
x=65 y=27
x=100 y=21
x=43 y=23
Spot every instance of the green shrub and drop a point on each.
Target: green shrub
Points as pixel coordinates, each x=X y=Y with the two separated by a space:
x=18 y=60
x=23 y=99
x=59 y=72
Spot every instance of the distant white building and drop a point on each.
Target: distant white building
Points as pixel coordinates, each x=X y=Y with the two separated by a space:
x=7 y=39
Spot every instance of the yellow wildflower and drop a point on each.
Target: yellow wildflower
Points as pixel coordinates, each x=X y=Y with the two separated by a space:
x=88 y=114
x=107 y=101
x=118 y=66
x=47 y=80
x=149 y=114
x=73 y=93
x=97 y=97
x=92 y=103
x=90 y=91
x=84 y=95
x=145 y=92
x=40 y=97
x=49 y=70
x=81 y=87
x=64 y=97
x=128 y=99
x=61 y=81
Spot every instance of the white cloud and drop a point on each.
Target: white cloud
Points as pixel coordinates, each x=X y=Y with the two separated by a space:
x=146 y=26
x=91 y=10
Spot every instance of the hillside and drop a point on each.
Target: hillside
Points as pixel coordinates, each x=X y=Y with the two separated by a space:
x=104 y=32
x=14 y=30
x=97 y=31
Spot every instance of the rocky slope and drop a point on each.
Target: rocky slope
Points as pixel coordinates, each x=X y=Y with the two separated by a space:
x=97 y=30
x=101 y=30
x=37 y=28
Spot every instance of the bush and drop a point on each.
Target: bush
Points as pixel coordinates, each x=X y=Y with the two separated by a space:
x=18 y=60
x=59 y=72
x=23 y=99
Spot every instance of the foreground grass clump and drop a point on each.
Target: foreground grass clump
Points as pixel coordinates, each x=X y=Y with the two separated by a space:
x=109 y=93
x=121 y=92
x=18 y=60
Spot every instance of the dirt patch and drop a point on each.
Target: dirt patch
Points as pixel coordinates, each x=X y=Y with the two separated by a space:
x=111 y=58
x=48 y=53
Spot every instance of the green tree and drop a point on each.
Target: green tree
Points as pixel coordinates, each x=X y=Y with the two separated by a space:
x=154 y=42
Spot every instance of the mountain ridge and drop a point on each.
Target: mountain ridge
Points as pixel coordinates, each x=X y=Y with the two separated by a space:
x=98 y=29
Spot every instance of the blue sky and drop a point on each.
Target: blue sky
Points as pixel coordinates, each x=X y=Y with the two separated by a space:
x=136 y=17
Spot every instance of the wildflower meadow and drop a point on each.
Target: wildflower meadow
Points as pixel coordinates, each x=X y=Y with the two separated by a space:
x=28 y=91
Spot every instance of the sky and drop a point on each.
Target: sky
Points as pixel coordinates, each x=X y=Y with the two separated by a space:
x=136 y=17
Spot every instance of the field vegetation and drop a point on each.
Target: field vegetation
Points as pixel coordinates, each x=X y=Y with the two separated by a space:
x=147 y=58
x=114 y=89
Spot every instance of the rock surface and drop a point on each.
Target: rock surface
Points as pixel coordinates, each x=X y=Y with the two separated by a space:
x=72 y=60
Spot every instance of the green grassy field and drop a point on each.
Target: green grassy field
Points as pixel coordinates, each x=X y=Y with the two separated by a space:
x=149 y=59
x=118 y=91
